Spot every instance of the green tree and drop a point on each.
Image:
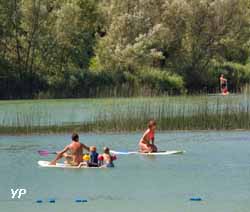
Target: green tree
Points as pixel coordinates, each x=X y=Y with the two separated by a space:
x=181 y=36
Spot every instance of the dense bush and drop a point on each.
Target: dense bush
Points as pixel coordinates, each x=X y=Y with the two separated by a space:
x=88 y=48
x=161 y=81
x=238 y=74
x=92 y=83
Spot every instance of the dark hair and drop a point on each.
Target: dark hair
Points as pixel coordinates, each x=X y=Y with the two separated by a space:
x=75 y=137
x=106 y=150
x=151 y=123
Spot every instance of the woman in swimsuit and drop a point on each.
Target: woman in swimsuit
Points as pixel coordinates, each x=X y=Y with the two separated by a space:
x=146 y=143
x=223 y=85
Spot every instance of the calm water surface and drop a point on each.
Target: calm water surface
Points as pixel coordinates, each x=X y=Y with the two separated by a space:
x=65 y=111
x=215 y=167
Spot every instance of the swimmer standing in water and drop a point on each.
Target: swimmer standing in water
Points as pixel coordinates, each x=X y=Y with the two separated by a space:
x=146 y=144
x=223 y=85
x=106 y=159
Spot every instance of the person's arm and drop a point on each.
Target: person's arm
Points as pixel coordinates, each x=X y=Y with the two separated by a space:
x=85 y=147
x=145 y=135
x=60 y=155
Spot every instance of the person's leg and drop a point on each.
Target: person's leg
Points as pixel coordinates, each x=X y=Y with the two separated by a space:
x=144 y=148
x=68 y=158
x=53 y=162
x=154 y=148
x=222 y=88
x=83 y=164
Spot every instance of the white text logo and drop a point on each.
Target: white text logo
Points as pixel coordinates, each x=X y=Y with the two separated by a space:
x=18 y=193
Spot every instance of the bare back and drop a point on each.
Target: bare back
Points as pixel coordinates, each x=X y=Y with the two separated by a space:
x=73 y=152
x=107 y=158
x=76 y=151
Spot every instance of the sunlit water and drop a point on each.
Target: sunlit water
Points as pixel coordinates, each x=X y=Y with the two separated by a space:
x=215 y=167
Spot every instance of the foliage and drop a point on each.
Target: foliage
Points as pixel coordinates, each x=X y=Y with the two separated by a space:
x=238 y=74
x=60 y=47
x=185 y=38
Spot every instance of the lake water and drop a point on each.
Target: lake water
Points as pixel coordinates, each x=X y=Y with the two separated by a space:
x=67 y=111
x=215 y=167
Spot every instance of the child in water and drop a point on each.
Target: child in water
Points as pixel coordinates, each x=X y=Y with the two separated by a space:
x=93 y=157
x=146 y=143
x=106 y=159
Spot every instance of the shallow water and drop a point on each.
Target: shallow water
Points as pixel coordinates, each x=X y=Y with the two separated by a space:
x=215 y=167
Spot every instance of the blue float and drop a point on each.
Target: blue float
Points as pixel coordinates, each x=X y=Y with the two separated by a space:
x=195 y=199
x=52 y=200
x=81 y=200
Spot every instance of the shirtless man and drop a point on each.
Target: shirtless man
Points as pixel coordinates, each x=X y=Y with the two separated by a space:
x=73 y=152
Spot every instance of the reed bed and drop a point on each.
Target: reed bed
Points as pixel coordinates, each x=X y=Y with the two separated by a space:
x=126 y=115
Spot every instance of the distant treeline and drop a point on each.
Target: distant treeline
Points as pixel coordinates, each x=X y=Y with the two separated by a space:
x=90 y=48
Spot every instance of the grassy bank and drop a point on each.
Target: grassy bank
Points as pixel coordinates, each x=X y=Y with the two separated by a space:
x=132 y=114
x=223 y=121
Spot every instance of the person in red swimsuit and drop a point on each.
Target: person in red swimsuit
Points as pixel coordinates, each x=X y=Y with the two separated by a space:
x=146 y=143
x=223 y=85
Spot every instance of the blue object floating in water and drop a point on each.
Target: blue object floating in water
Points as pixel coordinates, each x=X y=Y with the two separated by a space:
x=39 y=201
x=195 y=199
x=81 y=200
x=52 y=200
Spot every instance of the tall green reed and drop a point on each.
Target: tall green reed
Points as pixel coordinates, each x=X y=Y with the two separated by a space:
x=132 y=114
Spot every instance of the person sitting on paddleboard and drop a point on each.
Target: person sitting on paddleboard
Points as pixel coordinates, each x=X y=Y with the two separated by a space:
x=223 y=84
x=106 y=159
x=146 y=143
x=73 y=152
x=93 y=157
x=90 y=159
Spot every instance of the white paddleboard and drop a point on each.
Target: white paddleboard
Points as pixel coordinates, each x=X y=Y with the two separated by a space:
x=62 y=165
x=172 y=152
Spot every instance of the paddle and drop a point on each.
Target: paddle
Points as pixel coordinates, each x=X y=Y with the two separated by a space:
x=45 y=152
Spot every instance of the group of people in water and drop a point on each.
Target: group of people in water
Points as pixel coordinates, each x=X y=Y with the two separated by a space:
x=74 y=152
x=74 y=156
